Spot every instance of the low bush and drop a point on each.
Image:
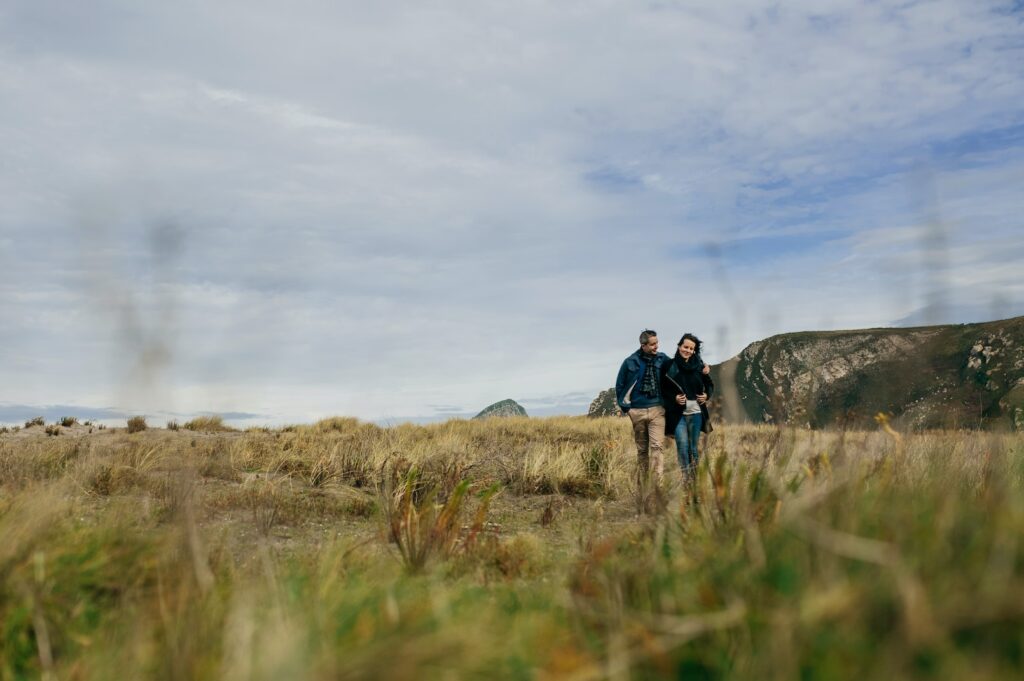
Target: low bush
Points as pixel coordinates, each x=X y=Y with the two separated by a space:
x=68 y=421
x=37 y=421
x=137 y=424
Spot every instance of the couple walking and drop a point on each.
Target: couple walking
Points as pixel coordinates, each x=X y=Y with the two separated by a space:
x=665 y=396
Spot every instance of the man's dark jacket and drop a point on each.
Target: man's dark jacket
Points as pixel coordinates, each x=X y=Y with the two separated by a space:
x=630 y=377
x=690 y=382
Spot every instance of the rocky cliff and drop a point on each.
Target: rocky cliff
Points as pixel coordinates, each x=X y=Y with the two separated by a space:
x=968 y=375
x=604 y=404
x=502 y=408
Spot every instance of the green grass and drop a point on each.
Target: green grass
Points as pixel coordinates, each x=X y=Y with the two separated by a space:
x=346 y=550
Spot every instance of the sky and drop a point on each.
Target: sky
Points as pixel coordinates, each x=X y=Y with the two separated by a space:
x=410 y=210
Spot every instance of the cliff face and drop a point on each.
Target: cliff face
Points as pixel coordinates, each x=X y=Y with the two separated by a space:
x=604 y=404
x=928 y=377
x=969 y=375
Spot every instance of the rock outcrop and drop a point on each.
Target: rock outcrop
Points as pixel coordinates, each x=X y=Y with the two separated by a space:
x=504 y=408
x=604 y=405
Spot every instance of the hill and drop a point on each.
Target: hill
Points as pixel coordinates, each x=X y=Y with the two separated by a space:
x=501 y=409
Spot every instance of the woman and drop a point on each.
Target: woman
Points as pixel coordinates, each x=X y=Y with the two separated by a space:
x=686 y=388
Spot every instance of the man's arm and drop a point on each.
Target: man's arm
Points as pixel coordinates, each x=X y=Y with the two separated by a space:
x=621 y=388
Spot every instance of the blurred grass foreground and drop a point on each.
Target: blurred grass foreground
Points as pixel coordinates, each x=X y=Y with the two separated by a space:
x=508 y=548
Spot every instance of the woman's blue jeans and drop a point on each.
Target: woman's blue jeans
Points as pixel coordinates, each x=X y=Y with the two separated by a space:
x=687 y=435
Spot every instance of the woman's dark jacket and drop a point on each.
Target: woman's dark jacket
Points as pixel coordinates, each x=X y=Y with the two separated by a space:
x=679 y=377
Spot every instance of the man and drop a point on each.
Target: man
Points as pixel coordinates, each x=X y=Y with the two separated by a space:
x=638 y=393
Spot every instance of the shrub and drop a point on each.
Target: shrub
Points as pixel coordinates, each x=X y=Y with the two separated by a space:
x=4 y=429
x=137 y=424
x=68 y=421
x=53 y=430
x=37 y=421
x=173 y=425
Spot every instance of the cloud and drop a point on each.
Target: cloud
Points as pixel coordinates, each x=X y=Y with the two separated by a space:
x=321 y=209
x=17 y=413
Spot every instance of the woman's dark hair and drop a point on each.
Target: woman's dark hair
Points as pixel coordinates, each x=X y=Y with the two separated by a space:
x=696 y=342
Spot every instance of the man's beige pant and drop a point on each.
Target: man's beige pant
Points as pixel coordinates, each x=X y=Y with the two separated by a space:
x=649 y=434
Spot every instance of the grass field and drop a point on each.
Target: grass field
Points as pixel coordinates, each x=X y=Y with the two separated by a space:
x=508 y=548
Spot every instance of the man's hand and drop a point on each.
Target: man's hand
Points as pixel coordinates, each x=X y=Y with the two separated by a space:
x=707 y=370
x=702 y=398
x=681 y=399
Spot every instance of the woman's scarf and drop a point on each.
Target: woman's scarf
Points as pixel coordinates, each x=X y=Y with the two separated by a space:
x=693 y=364
x=688 y=370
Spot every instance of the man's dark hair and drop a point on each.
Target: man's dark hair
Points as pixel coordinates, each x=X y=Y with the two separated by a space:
x=646 y=335
x=696 y=342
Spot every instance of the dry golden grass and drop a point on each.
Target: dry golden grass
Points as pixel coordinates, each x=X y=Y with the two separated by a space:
x=343 y=549
x=210 y=424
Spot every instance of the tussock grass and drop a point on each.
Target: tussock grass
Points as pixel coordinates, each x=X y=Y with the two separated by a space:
x=795 y=554
x=425 y=526
x=208 y=424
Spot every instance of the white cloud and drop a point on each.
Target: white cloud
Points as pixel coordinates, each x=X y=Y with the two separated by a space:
x=316 y=207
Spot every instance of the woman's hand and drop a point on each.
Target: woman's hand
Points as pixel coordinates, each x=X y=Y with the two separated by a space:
x=681 y=400
x=702 y=398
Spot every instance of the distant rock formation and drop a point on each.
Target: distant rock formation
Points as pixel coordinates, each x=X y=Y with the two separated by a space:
x=502 y=409
x=965 y=375
x=604 y=405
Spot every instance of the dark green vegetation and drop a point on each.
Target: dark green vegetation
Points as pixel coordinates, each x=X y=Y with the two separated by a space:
x=509 y=548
